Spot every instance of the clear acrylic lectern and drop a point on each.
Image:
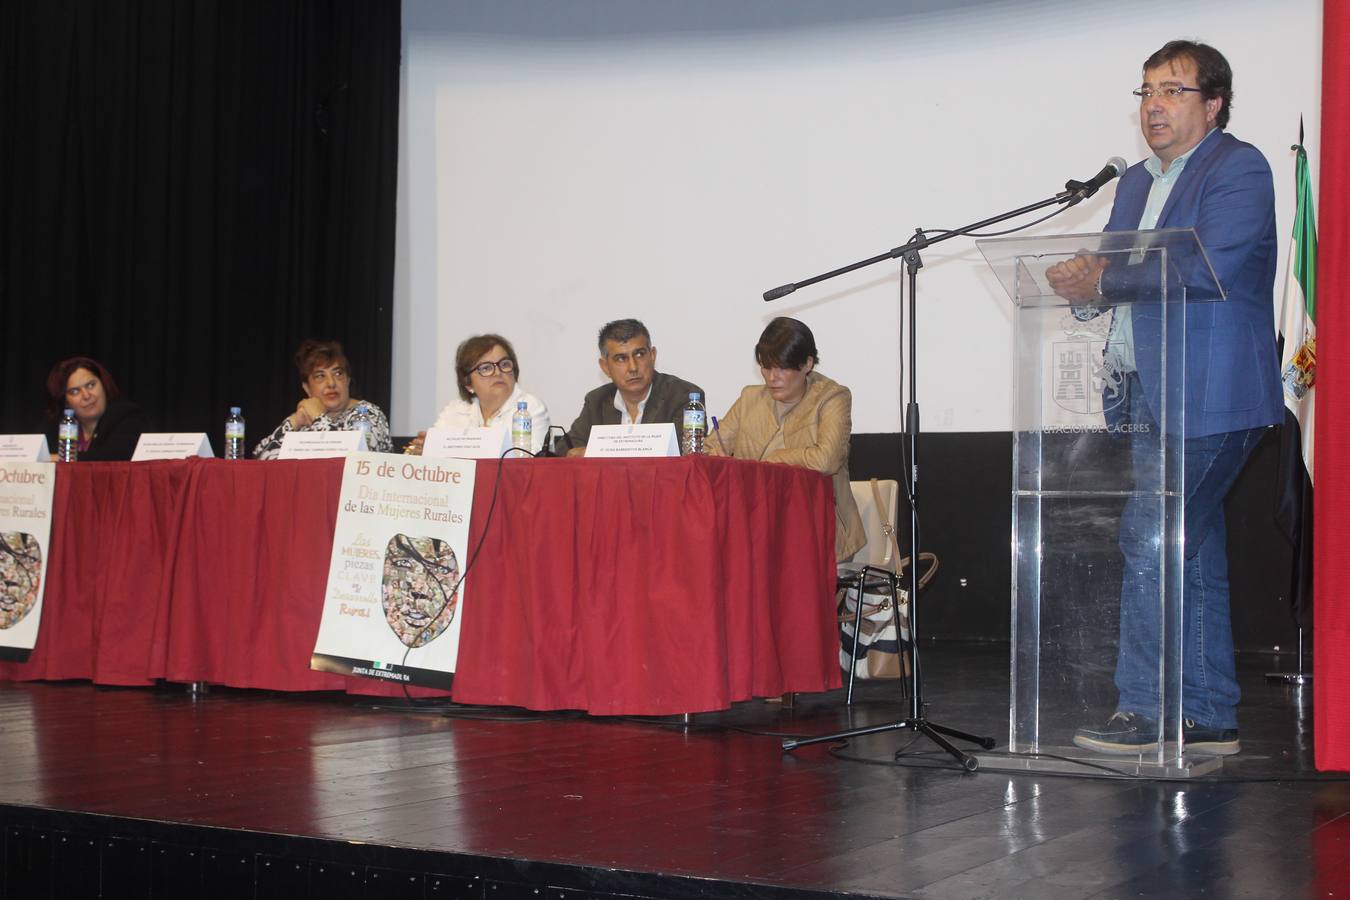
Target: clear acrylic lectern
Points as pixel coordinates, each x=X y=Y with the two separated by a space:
x=1088 y=481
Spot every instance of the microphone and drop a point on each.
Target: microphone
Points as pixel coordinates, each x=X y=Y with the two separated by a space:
x=781 y=291
x=551 y=442
x=1079 y=191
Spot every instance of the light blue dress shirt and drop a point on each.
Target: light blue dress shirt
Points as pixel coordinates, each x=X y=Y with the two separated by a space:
x=1120 y=342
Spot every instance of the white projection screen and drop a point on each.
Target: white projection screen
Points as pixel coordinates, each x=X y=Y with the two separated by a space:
x=564 y=163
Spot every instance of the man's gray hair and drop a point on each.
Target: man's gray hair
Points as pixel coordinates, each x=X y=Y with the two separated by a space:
x=621 y=331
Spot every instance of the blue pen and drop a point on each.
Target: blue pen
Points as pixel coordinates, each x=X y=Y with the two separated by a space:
x=717 y=433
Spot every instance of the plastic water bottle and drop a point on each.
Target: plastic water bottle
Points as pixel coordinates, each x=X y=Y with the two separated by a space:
x=695 y=426
x=234 y=435
x=68 y=438
x=522 y=427
x=361 y=422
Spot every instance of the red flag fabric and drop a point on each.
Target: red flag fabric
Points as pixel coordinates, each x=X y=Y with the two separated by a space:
x=1331 y=568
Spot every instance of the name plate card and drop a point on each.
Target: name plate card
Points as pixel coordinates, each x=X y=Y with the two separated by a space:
x=24 y=448
x=172 y=446
x=466 y=443
x=25 y=527
x=320 y=444
x=632 y=440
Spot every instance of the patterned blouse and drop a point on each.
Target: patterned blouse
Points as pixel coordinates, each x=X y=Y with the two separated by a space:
x=270 y=446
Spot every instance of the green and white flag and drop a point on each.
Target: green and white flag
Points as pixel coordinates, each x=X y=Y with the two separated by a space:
x=1298 y=362
x=1298 y=379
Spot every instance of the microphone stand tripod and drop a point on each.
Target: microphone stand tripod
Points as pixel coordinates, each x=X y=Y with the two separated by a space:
x=917 y=720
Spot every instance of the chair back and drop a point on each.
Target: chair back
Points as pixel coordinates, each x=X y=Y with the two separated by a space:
x=879 y=550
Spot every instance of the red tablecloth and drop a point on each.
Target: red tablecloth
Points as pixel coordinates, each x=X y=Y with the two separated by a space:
x=612 y=586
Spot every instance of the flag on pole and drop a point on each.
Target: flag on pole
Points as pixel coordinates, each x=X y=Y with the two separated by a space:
x=1298 y=378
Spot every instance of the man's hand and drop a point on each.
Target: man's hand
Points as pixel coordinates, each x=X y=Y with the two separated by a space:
x=577 y=451
x=1076 y=279
x=414 y=447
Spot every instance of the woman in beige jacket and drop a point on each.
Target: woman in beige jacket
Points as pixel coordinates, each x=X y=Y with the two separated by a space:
x=798 y=417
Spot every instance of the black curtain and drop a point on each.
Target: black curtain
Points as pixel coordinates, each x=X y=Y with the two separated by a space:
x=190 y=187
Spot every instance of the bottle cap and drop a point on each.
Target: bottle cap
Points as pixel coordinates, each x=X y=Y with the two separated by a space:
x=234 y=410
x=521 y=404
x=695 y=395
x=69 y=411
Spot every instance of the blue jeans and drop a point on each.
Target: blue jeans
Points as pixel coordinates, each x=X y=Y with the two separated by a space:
x=1209 y=689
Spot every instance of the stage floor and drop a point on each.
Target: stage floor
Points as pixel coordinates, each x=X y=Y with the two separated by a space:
x=324 y=795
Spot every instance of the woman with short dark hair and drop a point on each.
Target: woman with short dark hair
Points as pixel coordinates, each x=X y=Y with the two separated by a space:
x=487 y=373
x=799 y=417
x=325 y=377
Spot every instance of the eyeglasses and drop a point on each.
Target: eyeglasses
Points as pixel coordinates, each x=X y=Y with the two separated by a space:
x=487 y=369
x=1168 y=92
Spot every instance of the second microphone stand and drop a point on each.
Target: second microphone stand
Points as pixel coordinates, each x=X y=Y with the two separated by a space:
x=917 y=720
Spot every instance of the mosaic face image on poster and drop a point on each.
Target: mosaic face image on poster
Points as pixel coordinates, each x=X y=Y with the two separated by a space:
x=26 y=490
x=420 y=589
x=20 y=576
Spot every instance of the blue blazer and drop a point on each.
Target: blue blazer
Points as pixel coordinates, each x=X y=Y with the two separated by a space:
x=1227 y=195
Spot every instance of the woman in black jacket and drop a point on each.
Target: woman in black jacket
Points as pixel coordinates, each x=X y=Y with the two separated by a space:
x=110 y=425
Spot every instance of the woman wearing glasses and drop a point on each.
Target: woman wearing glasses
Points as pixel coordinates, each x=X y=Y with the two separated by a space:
x=326 y=378
x=486 y=370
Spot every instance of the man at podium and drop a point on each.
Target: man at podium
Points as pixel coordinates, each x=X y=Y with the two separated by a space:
x=1200 y=177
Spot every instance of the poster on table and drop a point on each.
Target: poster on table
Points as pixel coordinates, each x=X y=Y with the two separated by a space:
x=25 y=531
x=395 y=593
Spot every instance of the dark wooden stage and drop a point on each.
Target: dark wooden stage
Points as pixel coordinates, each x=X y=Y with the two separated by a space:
x=151 y=793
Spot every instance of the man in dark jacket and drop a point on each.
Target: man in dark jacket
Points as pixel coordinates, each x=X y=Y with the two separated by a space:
x=637 y=393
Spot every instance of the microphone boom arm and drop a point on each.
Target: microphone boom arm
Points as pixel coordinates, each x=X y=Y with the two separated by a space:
x=921 y=241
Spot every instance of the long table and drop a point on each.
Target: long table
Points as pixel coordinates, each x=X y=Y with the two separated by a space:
x=617 y=587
